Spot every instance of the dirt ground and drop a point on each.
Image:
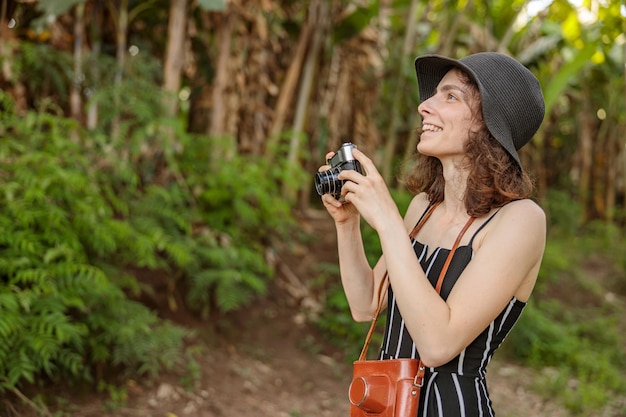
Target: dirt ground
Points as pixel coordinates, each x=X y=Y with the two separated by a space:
x=269 y=362
x=254 y=370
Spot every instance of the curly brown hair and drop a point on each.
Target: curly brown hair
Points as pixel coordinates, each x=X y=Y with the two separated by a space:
x=494 y=179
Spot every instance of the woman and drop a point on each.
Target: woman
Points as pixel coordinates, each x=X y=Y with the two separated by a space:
x=476 y=113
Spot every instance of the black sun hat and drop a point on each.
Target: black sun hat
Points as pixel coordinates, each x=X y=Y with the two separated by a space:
x=511 y=98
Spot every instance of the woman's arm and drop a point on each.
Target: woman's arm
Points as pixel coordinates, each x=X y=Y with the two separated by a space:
x=506 y=261
x=505 y=264
x=361 y=283
x=357 y=277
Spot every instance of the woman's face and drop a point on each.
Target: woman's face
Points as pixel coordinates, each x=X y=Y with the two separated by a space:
x=448 y=117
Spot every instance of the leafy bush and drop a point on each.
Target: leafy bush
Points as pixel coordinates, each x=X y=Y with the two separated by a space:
x=81 y=210
x=241 y=211
x=570 y=325
x=206 y=219
x=583 y=346
x=61 y=314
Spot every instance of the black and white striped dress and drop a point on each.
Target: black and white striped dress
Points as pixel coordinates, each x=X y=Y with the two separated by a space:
x=458 y=388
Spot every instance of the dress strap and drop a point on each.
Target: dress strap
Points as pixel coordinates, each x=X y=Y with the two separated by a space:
x=423 y=218
x=385 y=281
x=481 y=228
x=442 y=274
x=428 y=207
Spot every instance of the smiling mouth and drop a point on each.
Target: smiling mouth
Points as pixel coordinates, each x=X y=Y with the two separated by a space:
x=427 y=127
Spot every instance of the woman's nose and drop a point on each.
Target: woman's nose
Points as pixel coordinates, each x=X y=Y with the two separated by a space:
x=424 y=107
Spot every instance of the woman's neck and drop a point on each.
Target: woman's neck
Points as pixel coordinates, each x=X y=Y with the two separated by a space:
x=454 y=192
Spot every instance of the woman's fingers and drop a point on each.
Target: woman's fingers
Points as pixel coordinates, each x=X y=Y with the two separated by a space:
x=330 y=200
x=366 y=163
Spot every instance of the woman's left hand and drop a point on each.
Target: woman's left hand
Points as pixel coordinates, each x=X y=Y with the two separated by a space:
x=368 y=193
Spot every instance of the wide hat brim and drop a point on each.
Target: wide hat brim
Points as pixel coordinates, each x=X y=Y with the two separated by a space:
x=511 y=99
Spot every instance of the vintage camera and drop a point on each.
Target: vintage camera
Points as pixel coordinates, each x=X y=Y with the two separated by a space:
x=326 y=182
x=388 y=388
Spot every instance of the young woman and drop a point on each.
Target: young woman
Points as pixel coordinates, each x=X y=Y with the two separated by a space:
x=476 y=113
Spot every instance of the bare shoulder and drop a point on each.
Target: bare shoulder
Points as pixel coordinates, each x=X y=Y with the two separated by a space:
x=522 y=220
x=523 y=213
x=417 y=206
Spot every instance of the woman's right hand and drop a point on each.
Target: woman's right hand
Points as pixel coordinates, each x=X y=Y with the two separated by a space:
x=340 y=212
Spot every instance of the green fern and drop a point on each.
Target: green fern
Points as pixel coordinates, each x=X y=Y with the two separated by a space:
x=79 y=215
x=60 y=314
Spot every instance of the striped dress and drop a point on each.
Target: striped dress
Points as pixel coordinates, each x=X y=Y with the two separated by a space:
x=458 y=388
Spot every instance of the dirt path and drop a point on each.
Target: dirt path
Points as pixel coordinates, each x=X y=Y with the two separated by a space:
x=282 y=370
x=255 y=370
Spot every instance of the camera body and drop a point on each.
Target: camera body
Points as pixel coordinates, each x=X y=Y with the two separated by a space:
x=326 y=182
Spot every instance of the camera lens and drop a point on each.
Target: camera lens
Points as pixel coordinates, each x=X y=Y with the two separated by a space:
x=370 y=394
x=326 y=182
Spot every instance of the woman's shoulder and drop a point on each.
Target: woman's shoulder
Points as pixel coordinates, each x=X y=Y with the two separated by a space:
x=417 y=207
x=523 y=215
x=522 y=222
x=525 y=208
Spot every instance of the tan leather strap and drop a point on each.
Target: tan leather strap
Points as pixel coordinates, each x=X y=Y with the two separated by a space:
x=385 y=279
x=449 y=258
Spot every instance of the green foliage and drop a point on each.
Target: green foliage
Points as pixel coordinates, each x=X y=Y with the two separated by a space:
x=354 y=23
x=338 y=325
x=203 y=218
x=60 y=313
x=118 y=396
x=563 y=213
x=80 y=213
x=45 y=71
x=230 y=274
x=570 y=326
x=241 y=210
x=584 y=347
x=241 y=195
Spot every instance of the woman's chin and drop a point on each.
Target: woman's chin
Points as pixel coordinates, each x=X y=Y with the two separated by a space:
x=424 y=149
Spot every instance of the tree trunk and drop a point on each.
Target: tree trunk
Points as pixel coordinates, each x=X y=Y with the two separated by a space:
x=317 y=17
x=601 y=164
x=219 y=89
x=612 y=153
x=7 y=39
x=96 y=46
x=287 y=91
x=399 y=93
x=121 y=37
x=411 y=147
x=384 y=32
x=586 y=151
x=79 y=35
x=620 y=159
x=176 y=32
x=261 y=118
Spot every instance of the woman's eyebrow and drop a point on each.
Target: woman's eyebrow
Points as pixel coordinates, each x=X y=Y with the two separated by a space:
x=452 y=87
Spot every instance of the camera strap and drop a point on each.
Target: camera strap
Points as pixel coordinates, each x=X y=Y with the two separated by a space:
x=385 y=281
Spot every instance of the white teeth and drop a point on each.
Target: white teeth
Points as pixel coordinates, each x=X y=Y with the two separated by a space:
x=430 y=128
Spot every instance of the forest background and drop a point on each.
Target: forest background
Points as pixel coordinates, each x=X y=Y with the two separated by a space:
x=159 y=155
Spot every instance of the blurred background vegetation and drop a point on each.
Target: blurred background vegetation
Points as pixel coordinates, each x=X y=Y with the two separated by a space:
x=161 y=152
